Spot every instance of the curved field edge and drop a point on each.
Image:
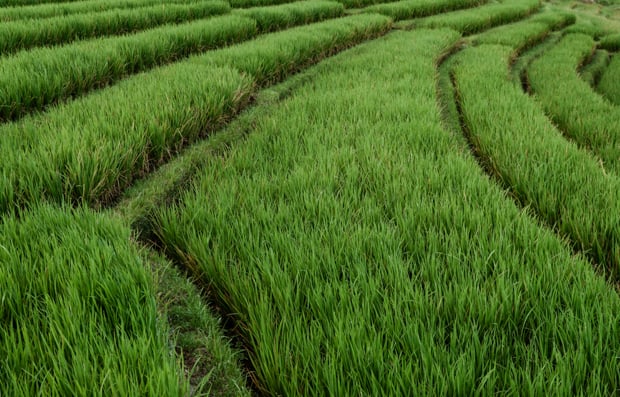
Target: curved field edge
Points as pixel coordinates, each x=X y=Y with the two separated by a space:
x=564 y=185
x=582 y=114
x=330 y=258
x=594 y=67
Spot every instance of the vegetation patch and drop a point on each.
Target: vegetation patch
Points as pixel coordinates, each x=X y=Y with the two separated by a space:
x=329 y=258
x=581 y=113
x=78 y=313
x=22 y=35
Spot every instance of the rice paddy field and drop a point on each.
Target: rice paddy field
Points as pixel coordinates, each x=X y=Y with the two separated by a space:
x=308 y=198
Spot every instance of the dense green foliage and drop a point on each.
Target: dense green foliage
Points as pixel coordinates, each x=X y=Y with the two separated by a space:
x=611 y=42
x=524 y=34
x=419 y=8
x=353 y=246
x=269 y=19
x=26 y=34
x=516 y=142
x=73 y=153
x=33 y=79
x=581 y=113
x=5 y=3
x=78 y=314
x=481 y=18
x=79 y=7
x=270 y=58
x=401 y=219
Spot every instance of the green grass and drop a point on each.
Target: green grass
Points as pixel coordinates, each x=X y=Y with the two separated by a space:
x=9 y=3
x=399 y=220
x=592 y=70
x=478 y=19
x=34 y=79
x=418 y=8
x=581 y=113
x=269 y=59
x=524 y=34
x=256 y=3
x=593 y=25
x=79 y=7
x=350 y=238
x=609 y=84
x=564 y=185
x=269 y=19
x=91 y=149
x=163 y=186
x=78 y=314
x=611 y=42
x=20 y=35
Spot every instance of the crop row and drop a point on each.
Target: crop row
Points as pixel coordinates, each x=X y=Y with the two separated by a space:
x=480 y=18
x=78 y=314
x=269 y=19
x=34 y=79
x=524 y=34
x=361 y=250
x=609 y=84
x=516 y=142
x=611 y=42
x=419 y=8
x=26 y=34
x=96 y=145
x=78 y=7
x=581 y=113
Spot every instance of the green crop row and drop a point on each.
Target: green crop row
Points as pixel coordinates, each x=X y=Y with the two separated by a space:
x=480 y=18
x=34 y=79
x=581 y=113
x=609 y=84
x=524 y=34
x=256 y=3
x=592 y=25
x=20 y=35
x=78 y=314
x=361 y=250
x=611 y=42
x=13 y=3
x=516 y=142
x=91 y=148
x=79 y=7
x=419 y=8
x=270 y=19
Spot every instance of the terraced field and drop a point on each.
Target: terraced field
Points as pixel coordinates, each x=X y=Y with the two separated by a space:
x=354 y=197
